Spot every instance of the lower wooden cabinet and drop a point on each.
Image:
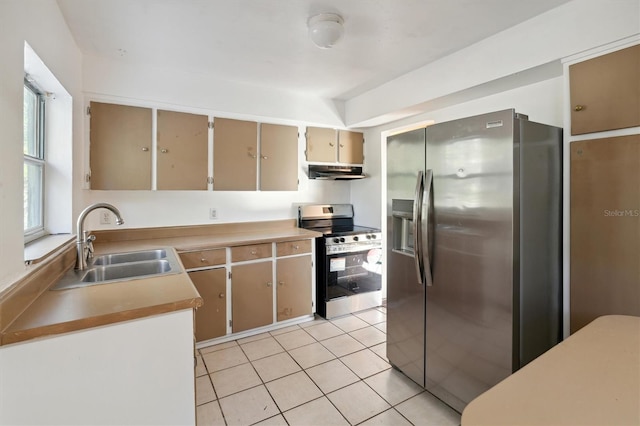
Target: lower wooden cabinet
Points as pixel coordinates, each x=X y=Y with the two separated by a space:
x=252 y=295
x=293 y=292
x=211 y=318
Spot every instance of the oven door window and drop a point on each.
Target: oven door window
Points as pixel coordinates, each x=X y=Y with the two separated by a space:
x=354 y=273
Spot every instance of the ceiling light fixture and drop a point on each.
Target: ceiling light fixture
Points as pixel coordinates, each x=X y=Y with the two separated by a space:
x=325 y=29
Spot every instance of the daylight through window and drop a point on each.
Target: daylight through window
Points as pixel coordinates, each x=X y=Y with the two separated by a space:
x=33 y=127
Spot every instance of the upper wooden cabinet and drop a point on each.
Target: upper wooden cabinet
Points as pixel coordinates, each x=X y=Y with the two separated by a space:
x=182 y=150
x=120 y=146
x=278 y=157
x=605 y=92
x=332 y=146
x=235 y=152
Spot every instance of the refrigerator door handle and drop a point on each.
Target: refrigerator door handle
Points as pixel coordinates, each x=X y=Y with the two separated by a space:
x=417 y=223
x=426 y=219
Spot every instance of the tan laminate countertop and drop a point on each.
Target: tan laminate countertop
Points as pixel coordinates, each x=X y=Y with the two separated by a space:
x=55 y=312
x=591 y=378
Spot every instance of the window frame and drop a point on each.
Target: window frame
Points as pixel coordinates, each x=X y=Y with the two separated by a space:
x=38 y=159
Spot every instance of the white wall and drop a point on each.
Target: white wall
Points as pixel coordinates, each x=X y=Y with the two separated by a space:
x=41 y=25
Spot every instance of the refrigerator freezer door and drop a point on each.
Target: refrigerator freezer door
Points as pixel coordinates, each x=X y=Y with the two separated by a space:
x=405 y=293
x=469 y=306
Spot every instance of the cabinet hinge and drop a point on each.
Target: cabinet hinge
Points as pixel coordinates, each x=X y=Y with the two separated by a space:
x=210 y=125
x=87 y=177
x=229 y=274
x=88 y=110
x=210 y=179
x=230 y=323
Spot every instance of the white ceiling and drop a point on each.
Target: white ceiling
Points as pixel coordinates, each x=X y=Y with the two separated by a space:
x=264 y=42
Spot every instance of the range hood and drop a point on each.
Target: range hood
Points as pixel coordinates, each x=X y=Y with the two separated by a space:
x=317 y=171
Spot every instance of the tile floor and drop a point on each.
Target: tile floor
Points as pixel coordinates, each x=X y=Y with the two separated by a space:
x=316 y=373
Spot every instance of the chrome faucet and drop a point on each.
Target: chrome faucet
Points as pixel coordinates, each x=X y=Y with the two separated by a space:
x=84 y=242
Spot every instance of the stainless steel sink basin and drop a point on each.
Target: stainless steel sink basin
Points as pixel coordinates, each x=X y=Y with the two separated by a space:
x=116 y=267
x=126 y=270
x=134 y=256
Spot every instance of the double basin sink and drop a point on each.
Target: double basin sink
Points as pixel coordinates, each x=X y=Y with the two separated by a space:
x=115 y=267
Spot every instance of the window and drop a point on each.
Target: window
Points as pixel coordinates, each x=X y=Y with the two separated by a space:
x=34 y=164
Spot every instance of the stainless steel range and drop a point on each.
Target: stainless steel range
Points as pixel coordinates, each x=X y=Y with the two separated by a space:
x=348 y=260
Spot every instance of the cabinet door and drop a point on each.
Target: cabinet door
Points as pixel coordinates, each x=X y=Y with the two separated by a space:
x=350 y=147
x=321 y=145
x=605 y=228
x=235 y=153
x=211 y=317
x=182 y=150
x=120 y=146
x=278 y=158
x=294 y=287
x=252 y=295
x=605 y=92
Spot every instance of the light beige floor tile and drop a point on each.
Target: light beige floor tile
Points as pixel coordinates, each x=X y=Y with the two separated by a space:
x=372 y=316
x=349 y=323
x=284 y=330
x=380 y=350
x=387 y=418
x=324 y=331
x=273 y=421
x=275 y=366
x=253 y=338
x=204 y=390
x=201 y=370
x=319 y=412
x=310 y=355
x=365 y=363
x=369 y=336
x=248 y=407
x=357 y=402
x=209 y=414
x=382 y=327
x=382 y=309
x=293 y=390
x=294 y=339
x=331 y=376
x=342 y=345
x=234 y=379
x=316 y=321
x=392 y=385
x=261 y=348
x=218 y=347
x=425 y=409
x=224 y=358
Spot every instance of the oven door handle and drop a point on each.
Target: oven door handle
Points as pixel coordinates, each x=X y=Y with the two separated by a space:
x=417 y=227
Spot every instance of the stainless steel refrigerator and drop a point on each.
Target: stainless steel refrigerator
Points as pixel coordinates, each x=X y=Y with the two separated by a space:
x=473 y=251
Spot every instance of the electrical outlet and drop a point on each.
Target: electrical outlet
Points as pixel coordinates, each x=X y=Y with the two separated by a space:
x=213 y=214
x=105 y=218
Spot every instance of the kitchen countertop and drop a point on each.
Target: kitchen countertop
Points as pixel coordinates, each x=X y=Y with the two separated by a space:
x=591 y=378
x=55 y=312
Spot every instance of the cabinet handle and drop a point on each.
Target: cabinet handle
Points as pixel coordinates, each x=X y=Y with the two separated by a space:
x=221 y=295
x=280 y=282
x=145 y=149
x=254 y=252
x=269 y=284
x=579 y=108
x=341 y=146
x=332 y=144
x=264 y=157
x=251 y=155
x=296 y=247
x=164 y=150
x=203 y=260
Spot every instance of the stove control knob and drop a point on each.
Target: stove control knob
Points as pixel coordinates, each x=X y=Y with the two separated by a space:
x=342 y=240
x=373 y=236
x=368 y=237
x=355 y=238
x=336 y=240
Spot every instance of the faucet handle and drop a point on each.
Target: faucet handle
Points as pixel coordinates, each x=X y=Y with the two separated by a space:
x=89 y=240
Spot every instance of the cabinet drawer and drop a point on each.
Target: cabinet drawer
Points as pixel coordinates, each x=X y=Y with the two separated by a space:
x=288 y=248
x=255 y=251
x=203 y=258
